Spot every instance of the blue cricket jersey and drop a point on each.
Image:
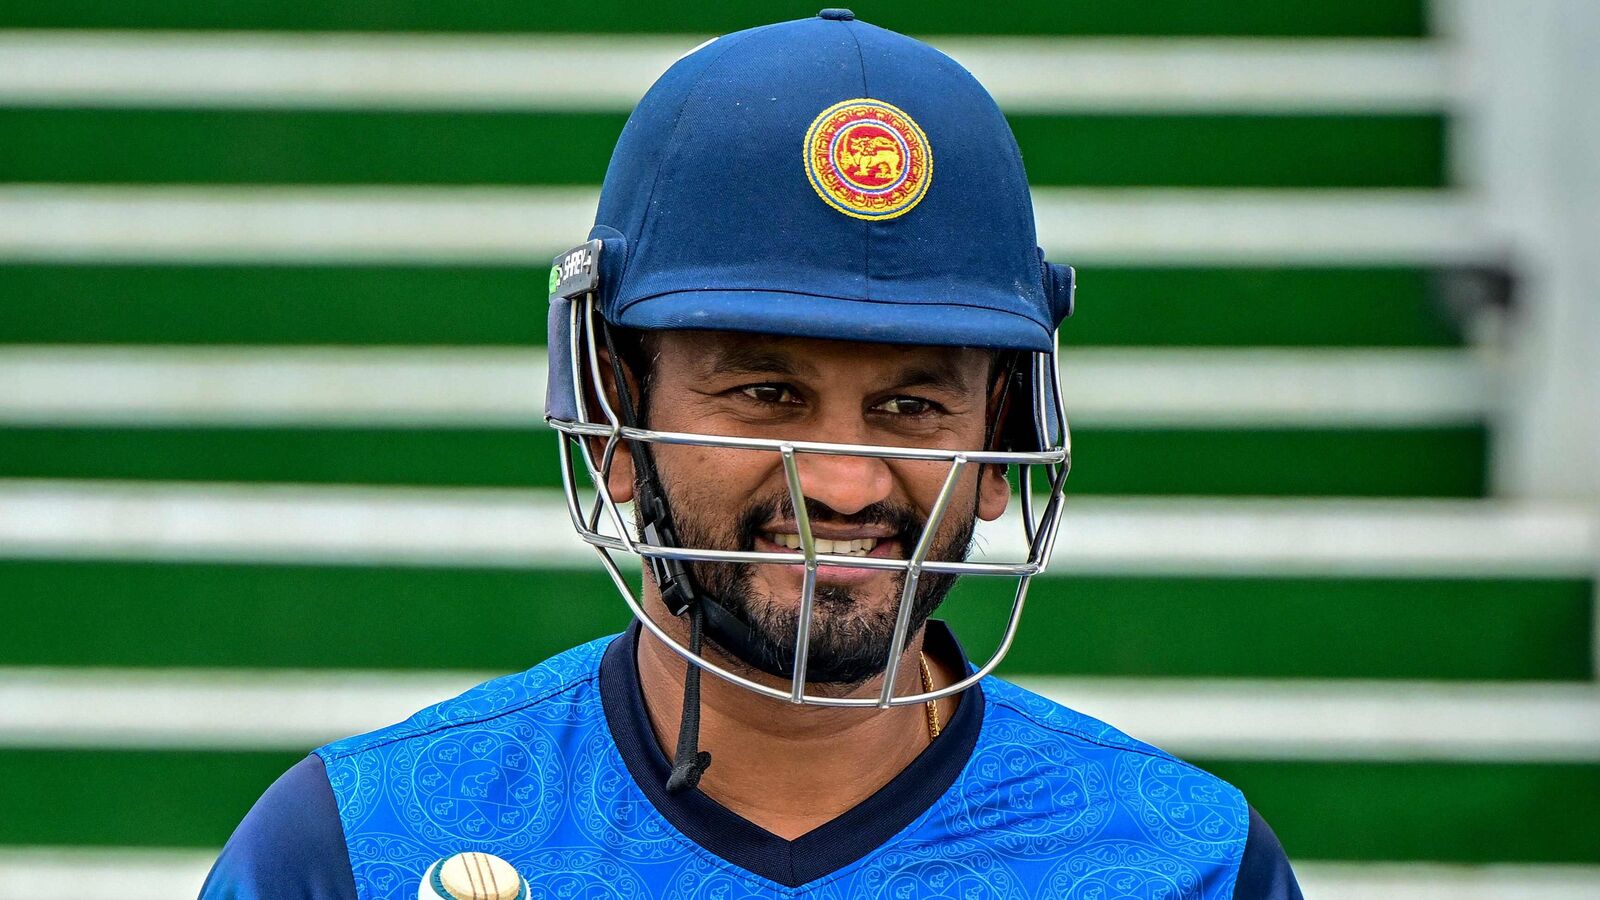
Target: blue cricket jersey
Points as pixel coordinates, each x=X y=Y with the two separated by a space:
x=557 y=771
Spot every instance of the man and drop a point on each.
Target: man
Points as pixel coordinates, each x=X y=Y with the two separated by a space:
x=808 y=340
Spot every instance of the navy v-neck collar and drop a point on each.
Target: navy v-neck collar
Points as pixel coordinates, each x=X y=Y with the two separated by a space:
x=823 y=850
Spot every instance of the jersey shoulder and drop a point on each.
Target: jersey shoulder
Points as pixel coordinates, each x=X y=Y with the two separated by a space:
x=550 y=682
x=289 y=847
x=1090 y=765
x=1015 y=703
x=486 y=769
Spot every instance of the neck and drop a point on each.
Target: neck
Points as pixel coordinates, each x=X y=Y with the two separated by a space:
x=789 y=768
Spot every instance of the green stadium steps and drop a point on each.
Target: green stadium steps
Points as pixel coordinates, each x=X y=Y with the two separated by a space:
x=1334 y=461
x=1435 y=811
x=504 y=305
x=1261 y=18
x=1439 y=812
x=323 y=147
x=220 y=615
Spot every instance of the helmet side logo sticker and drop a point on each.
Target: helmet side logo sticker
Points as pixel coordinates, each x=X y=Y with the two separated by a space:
x=868 y=159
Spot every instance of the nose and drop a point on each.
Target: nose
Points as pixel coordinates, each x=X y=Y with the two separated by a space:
x=845 y=484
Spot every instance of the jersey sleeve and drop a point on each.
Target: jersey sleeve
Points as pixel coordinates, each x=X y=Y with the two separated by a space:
x=289 y=847
x=1264 y=872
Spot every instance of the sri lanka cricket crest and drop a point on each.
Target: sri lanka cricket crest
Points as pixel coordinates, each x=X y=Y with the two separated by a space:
x=868 y=159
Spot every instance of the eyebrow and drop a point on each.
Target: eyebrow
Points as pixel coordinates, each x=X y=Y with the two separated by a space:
x=944 y=377
x=746 y=359
x=742 y=359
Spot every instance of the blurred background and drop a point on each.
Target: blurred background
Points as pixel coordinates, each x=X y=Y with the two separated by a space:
x=273 y=470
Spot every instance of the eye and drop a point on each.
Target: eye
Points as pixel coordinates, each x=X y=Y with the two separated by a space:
x=770 y=393
x=906 y=406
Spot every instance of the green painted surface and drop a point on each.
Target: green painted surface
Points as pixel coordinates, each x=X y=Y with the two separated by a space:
x=1307 y=18
x=208 y=146
x=495 y=305
x=130 y=798
x=1419 y=462
x=148 y=614
x=1287 y=627
x=489 y=457
x=1301 y=151
x=1373 y=462
x=254 y=304
x=1263 y=307
x=251 y=146
x=1447 y=812
x=1438 y=812
x=264 y=616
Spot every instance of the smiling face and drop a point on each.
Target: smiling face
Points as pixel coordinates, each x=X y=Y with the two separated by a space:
x=826 y=391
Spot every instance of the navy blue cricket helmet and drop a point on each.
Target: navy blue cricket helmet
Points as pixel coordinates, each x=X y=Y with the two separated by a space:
x=820 y=178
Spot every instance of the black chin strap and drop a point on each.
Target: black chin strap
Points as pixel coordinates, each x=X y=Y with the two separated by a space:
x=689 y=762
x=678 y=591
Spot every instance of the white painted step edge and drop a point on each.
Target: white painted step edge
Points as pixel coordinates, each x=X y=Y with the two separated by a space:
x=144 y=874
x=1439 y=881
x=530 y=528
x=1243 y=719
x=527 y=225
x=1366 y=720
x=556 y=72
x=437 y=386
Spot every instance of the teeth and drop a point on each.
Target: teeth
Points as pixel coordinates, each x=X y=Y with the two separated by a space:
x=858 y=547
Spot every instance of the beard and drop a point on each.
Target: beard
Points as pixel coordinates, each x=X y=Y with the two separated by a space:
x=850 y=633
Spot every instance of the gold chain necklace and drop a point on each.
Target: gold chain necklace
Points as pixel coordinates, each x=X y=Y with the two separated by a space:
x=933 y=706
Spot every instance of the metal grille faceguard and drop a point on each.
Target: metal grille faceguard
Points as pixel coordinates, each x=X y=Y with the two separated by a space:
x=579 y=437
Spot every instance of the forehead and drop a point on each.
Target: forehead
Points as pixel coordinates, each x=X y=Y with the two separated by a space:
x=708 y=353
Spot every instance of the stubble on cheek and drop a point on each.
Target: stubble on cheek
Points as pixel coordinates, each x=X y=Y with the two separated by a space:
x=852 y=627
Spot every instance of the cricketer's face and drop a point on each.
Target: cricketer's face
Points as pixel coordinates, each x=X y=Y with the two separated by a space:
x=829 y=391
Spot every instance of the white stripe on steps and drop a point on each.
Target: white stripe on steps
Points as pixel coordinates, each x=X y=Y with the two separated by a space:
x=1253 y=387
x=1439 y=881
x=527 y=225
x=1279 y=227
x=129 y=874
x=242 y=69
x=1382 y=720
x=291 y=223
x=103 y=873
x=1346 y=720
x=211 y=708
x=276 y=385
x=433 y=386
x=474 y=527
x=1228 y=75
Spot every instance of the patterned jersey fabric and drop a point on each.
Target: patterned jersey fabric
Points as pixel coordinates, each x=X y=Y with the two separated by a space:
x=1040 y=802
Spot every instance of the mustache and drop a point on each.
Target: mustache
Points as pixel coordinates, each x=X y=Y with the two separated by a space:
x=902 y=519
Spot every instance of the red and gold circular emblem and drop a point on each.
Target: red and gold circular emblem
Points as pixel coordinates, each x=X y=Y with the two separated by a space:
x=868 y=159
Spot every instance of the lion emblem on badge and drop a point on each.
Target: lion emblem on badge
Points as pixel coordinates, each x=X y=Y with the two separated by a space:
x=868 y=159
x=874 y=157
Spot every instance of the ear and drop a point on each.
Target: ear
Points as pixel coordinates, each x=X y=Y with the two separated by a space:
x=620 y=476
x=619 y=481
x=994 y=492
